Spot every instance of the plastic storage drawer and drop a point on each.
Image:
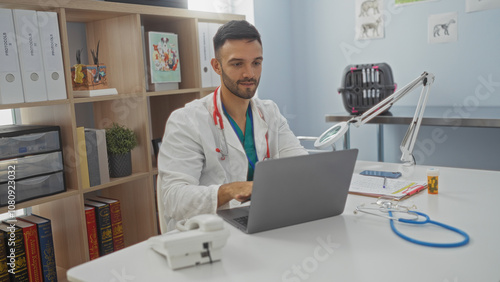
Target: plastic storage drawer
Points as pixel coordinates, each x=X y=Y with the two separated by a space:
x=31 y=188
x=28 y=144
x=29 y=166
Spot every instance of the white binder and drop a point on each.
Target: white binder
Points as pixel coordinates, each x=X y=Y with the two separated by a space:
x=11 y=87
x=52 y=55
x=212 y=30
x=30 y=55
x=205 y=66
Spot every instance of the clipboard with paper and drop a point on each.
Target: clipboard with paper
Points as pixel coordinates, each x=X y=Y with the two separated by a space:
x=373 y=186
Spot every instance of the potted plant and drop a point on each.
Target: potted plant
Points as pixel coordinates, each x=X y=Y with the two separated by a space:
x=120 y=141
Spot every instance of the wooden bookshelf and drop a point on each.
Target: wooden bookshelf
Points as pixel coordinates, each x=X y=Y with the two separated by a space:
x=118 y=27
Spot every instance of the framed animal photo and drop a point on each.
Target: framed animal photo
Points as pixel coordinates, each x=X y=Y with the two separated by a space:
x=369 y=20
x=443 y=28
x=164 y=57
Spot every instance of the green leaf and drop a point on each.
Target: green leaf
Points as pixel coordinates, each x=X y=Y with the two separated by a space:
x=119 y=139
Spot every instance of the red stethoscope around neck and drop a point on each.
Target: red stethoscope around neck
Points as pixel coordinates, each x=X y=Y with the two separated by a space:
x=217 y=116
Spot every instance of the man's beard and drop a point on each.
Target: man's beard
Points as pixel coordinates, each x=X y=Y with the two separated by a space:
x=232 y=86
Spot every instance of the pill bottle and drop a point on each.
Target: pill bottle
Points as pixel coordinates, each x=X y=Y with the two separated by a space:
x=432 y=180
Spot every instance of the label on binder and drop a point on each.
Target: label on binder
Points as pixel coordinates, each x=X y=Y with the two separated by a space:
x=205 y=58
x=30 y=55
x=11 y=87
x=52 y=55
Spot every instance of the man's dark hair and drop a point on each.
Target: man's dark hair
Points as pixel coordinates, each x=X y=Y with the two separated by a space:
x=235 y=30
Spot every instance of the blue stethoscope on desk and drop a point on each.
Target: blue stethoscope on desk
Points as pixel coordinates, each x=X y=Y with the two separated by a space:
x=392 y=207
x=222 y=148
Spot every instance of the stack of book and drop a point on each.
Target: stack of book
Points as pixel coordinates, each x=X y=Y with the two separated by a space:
x=104 y=226
x=93 y=156
x=30 y=255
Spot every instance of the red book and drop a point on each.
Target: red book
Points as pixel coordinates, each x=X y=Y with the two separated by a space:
x=32 y=248
x=116 y=220
x=92 y=232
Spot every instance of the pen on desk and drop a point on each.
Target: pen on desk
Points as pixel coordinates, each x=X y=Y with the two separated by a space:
x=385 y=181
x=415 y=190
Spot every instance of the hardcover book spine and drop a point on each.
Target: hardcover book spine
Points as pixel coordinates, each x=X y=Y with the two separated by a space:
x=32 y=253
x=4 y=274
x=117 y=226
x=92 y=232
x=21 y=271
x=47 y=254
x=104 y=231
x=82 y=154
x=102 y=151
x=92 y=158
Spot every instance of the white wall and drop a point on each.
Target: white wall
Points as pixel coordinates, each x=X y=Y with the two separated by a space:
x=305 y=45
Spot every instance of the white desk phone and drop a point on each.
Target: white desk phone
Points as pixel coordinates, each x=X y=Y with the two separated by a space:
x=199 y=241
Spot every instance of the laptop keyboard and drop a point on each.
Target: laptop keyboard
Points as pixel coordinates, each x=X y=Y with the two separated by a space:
x=242 y=220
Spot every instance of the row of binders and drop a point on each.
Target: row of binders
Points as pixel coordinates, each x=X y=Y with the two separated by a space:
x=206 y=32
x=31 y=65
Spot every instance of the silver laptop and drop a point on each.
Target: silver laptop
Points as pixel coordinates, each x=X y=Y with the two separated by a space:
x=295 y=190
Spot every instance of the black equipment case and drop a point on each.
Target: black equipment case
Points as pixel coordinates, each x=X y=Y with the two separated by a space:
x=363 y=86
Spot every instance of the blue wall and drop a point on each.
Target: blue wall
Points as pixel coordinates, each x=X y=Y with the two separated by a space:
x=307 y=44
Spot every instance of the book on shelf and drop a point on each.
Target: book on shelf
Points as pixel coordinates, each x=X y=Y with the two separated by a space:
x=11 y=88
x=92 y=157
x=81 y=150
x=16 y=261
x=32 y=248
x=116 y=220
x=102 y=152
x=94 y=92
x=164 y=70
x=103 y=224
x=156 y=147
x=91 y=232
x=4 y=274
x=46 y=244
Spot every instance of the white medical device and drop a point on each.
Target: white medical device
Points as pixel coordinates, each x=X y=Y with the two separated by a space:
x=334 y=133
x=199 y=241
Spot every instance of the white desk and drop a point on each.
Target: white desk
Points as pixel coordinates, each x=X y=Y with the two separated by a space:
x=482 y=117
x=347 y=247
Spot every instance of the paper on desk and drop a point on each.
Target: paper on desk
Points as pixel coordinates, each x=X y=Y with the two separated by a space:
x=374 y=186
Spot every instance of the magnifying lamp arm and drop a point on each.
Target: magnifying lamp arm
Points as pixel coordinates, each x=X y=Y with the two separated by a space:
x=334 y=133
x=426 y=79
x=410 y=137
x=390 y=100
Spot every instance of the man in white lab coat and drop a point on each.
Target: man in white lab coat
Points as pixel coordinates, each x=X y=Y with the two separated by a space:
x=210 y=147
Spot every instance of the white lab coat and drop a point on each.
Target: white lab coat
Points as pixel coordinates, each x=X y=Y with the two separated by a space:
x=190 y=171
